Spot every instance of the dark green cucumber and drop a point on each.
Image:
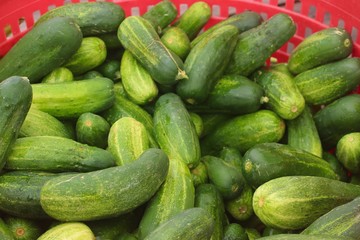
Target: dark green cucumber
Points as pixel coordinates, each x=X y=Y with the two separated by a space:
x=127 y=236
x=64 y=100
x=137 y=82
x=205 y=63
x=293 y=236
x=68 y=230
x=56 y=154
x=232 y=156
x=245 y=131
x=92 y=129
x=319 y=48
x=235 y=231
x=5 y=232
x=259 y=43
x=208 y=197
x=268 y=161
x=20 y=193
x=281 y=94
x=23 y=228
x=174 y=196
x=243 y=21
x=15 y=101
x=60 y=74
x=89 y=75
x=224 y=176
x=176 y=40
x=348 y=151
x=199 y=174
x=336 y=166
x=294 y=202
x=93 y=18
x=341 y=221
x=193 y=223
x=240 y=208
x=252 y=233
x=198 y=123
x=127 y=140
x=110 y=68
x=302 y=133
x=105 y=193
x=328 y=82
x=194 y=18
x=211 y=121
x=161 y=15
x=174 y=130
x=337 y=119
x=138 y=36
x=51 y=43
x=91 y=53
x=111 y=41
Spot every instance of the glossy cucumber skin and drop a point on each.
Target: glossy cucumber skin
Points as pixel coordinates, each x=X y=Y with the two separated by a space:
x=257 y=44
x=52 y=34
x=105 y=193
x=70 y=230
x=16 y=97
x=139 y=37
x=321 y=47
x=328 y=82
x=348 y=151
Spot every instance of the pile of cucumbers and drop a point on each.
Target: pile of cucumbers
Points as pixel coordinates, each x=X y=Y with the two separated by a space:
x=117 y=127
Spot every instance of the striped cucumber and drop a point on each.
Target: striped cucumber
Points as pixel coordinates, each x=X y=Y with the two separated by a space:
x=60 y=74
x=70 y=230
x=348 y=151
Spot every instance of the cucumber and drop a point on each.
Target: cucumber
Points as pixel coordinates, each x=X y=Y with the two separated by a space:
x=319 y=48
x=348 y=151
x=64 y=100
x=60 y=74
x=328 y=82
x=294 y=202
x=91 y=53
x=211 y=121
x=56 y=154
x=198 y=123
x=15 y=100
x=205 y=63
x=93 y=18
x=176 y=40
x=245 y=131
x=5 y=232
x=240 y=208
x=110 y=68
x=260 y=161
x=127 y=140
x=259 y=43
x=137 y=82
x=209 y=198
x=232 y=156
x=235 y=231
x=337 y=119
x=302 y=133
x=70 y=230
x=174 y=130
x=51 y=43
x=269 y=231
x=293 y=236
x=92 y=129
x=281 y=93
x=111 y=41
x=174 y=196
x=252 y=233
x=336 y=166
x=90 y=74
x=138 y=36
x=194 y=18
x=23 y=228
x=341 y=221
x=199 y=174
x=193 y=223
x=105 y=193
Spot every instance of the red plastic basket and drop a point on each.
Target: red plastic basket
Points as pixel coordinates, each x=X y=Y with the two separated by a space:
x=17 y=17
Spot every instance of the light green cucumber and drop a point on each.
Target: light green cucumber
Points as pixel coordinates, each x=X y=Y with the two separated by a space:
x=348 y=151
x=176 y=40
x=60 y=74
x=70 y=231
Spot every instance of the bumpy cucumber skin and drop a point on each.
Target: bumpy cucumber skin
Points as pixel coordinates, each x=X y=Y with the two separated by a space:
x=348 y=151
x=70 y=230
x=105 y=193
x=15 y=100
x=51 y=43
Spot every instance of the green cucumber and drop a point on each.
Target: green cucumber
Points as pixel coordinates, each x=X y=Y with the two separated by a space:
x=51 y=43
x=15 y=100
x=319 y=48
x=245 y=131
x=105 y=193
x=341 y=221
x=138 y=36
x=199 y=174
x=127 y=140
x=336 y=166
x=302 y=133
x=337 y=119
x=269 y=231
x=110 y=68
x=70 y=230
x=294 y=236
x=111 y=41
x=294 y=202
x=281 y=94
x=175 y=195
x=328 y=82
x=176 y=40
x=209 y=198
x=60 y=74
x=5 y=232
x=92 y=129
x=232 y=156
x=252 y=233
x=92 y=17
x=235 y=231
x=211 y=121
x=259 y=43
x=205 y=63
x=348 y=151
x=174 y=130
x=23 y=228
x=90 y=74
x=64 y=100
x=260 y=161
x=56 y=154
x=137 y=82
x=198 y=123
x=240 y=208
x=127 y=236
x=193 y=223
